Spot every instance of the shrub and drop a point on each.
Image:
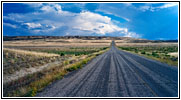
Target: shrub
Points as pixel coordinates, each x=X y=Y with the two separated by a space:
x=174 y=59
x=154 y=54
x=143 y=52
x=77 y=54
x=148 y=54
x=62 y=54
x=78 y=64
x=167 y=55
x=34 y=91
x=136 y=51
x=71 y=68
x=104 y=48
x=66 y=62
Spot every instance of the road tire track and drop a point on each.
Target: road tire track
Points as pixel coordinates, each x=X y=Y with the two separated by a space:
x=117 y=74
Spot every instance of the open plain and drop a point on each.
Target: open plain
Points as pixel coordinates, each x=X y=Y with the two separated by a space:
x=103 y=67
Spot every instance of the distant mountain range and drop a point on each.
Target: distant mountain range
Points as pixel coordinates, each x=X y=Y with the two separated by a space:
x=127 y=39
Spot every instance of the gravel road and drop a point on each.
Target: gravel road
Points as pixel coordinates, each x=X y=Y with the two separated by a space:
x=117 y=74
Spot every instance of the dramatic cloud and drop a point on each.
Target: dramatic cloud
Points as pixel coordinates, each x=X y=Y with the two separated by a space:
x=51 y=19
x=96 y=23
x=145 y=20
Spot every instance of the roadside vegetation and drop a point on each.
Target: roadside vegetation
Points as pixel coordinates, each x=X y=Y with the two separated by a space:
x=77 y=51
x=165 y=54
x=14 y=60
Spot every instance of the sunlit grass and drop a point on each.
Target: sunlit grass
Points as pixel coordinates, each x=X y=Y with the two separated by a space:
x=31 y=84
x=160 y=53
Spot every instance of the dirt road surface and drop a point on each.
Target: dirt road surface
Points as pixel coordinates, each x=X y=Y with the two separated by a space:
x=117 y=74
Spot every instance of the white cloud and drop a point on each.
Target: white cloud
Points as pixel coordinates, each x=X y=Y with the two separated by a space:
x=167 y=5
x=144 y=8
x=52 y=19
x=33 y=25
x=126 y=19
x=132 y=34
x=52 y=8
x=47 y=8
x=10 y=25
x=151 y=8
x=94 y=17
x=37 y=27
x=96 y=23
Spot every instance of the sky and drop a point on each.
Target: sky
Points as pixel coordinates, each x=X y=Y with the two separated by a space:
x=153 y=21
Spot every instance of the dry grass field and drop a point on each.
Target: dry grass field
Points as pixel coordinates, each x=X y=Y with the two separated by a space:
x=58 y=43
x=30 y=65
x=17 y=62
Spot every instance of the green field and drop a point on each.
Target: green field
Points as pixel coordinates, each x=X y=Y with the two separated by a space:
x=69 y=51
x=160 y=53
